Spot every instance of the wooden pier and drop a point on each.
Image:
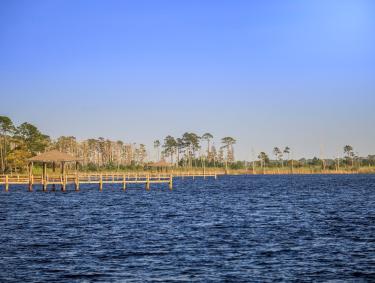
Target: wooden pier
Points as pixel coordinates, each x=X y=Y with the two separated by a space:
x=77 y=179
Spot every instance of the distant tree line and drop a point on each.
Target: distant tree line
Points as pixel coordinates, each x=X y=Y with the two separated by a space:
x=186 y=151
x=350 y=160
x=102 y=153
x=18 y=143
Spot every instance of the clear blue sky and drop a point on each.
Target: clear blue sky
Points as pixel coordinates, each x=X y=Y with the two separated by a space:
x=269 y=73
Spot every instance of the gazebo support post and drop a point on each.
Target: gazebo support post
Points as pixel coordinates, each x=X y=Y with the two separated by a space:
x=44 y=176
x=30 y=167
x=53 y=170
x=76 y=181
x=76 y=178
x=31 y=176
x=63 y=185
x=62 y=168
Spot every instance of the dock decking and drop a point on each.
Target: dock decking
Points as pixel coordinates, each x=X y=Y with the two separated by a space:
x=100 y=179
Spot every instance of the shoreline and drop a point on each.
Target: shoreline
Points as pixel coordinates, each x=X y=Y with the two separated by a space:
x=196 y=172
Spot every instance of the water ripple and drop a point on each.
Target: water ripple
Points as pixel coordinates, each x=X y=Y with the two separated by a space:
x=235 y=229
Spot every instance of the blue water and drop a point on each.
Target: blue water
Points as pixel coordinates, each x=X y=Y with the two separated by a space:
x=234 y=229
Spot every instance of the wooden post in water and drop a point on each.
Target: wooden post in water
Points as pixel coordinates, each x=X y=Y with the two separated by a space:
x=101 y=182
x=170 y=182
x=148 y=182
x=31 y=179
x=53 y=170
x=77 y=182
x=124 y=182
x=6 y=183
x=63 y=187
x=63 y=184
x=44 y=181
x=31 y=176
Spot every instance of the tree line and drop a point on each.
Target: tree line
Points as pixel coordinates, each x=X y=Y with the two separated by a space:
x=349 y=160
x=186 y=151
x=18 y=143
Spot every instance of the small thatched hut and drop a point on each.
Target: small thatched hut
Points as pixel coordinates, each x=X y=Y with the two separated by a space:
x=54 y=157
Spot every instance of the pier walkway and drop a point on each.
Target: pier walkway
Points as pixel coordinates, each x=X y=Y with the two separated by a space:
x=63 y=180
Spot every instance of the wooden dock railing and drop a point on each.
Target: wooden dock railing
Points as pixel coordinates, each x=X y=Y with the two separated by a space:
x=78 y=179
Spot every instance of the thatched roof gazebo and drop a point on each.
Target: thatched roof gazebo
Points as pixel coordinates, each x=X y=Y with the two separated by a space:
x=54 y=157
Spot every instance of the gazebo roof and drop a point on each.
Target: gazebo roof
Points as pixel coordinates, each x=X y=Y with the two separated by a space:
x=160 y=164
x=54 y=156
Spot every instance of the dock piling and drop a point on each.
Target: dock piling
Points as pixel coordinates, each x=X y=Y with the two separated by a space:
x=31 y=179
x=101 y=183
x=6 y=183
x=148 y=182
x=124 y=183
x=63 y=187
x=77 y=183
x=170 y=182
x=44 y=183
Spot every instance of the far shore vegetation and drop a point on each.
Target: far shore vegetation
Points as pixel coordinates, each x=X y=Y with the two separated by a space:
x=190 y=152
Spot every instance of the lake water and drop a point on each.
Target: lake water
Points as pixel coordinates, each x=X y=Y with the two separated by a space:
x=234 y=229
